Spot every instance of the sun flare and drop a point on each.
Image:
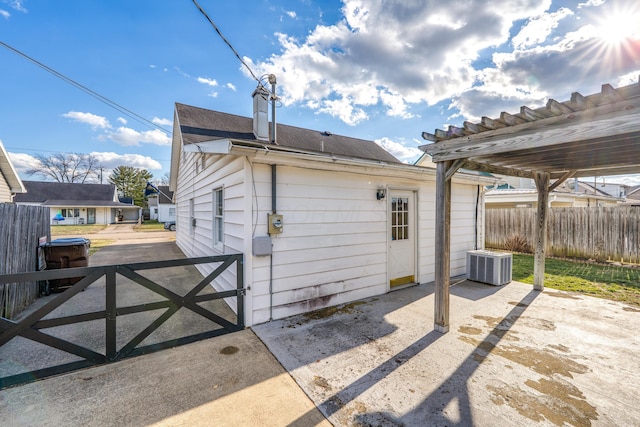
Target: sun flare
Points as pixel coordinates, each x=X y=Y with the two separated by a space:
x=620 y=27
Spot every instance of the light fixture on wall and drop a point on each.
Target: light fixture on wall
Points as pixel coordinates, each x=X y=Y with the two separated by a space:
x=381 y=193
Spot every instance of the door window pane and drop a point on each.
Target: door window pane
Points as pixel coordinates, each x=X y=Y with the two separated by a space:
x=399 y=218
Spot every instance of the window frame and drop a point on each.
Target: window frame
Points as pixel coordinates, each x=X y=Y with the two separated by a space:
x=217 y=213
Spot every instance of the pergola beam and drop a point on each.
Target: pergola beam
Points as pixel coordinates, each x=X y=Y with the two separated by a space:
x=612 y=119
x=560 y=180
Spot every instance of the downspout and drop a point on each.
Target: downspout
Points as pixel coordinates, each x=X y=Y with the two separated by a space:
x=272 y=80
x=475 y=220
x=273 y=211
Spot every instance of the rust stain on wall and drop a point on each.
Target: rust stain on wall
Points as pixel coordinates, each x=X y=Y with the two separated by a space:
x=323 y=313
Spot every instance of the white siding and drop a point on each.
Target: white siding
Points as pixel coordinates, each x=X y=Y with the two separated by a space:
x=164 y=210
x=334 y=245
x=5 y=191
x=197 y=183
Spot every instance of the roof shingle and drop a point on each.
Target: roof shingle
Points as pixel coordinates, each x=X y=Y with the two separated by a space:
x=202 y=125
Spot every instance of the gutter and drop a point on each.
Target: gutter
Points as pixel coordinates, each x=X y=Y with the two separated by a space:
x=260 y=152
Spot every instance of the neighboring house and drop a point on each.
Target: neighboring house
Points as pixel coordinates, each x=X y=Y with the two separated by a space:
x=161 y=206
x=564 y=196
x=321 y=219
x=72 y=203
x=633 y=196
x=10 y=183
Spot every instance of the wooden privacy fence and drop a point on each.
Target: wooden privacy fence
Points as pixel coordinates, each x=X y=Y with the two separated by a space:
x=20 y=229
x=602 y=233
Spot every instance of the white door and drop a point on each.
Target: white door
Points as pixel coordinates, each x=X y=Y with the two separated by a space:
x=402 y=238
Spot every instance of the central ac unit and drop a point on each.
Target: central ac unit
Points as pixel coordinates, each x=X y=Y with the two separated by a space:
x=489 y=267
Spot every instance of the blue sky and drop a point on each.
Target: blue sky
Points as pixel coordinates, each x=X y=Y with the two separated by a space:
x=372 y=69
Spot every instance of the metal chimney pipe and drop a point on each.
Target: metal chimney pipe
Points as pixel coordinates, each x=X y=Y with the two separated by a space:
x=272 y=80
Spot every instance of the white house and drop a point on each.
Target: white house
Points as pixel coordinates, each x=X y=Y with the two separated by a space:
x=321 y=219
x=74 y=203
x=570 y=194
x=10 y=182
x=161 y=206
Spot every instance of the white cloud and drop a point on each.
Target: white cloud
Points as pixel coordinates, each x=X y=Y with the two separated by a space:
x=130 y=137
x=537 y=29
x=112 y=160
x=182 y=73
x=590 y=3
x=207 y=81
x=343 y=109
x=161 y=122
x=292 y=14
x=396 y=105
x=108 y=160
x=4 y=14
x=629 y=78
x=399 y=150
x=213 y=94
x=17 y=5
x=231 y=86
x=23 y=162
x=88 y=118
x=393 y=53
x=122 y=120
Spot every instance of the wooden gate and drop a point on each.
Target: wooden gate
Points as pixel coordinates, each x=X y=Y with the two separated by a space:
x=108 y=320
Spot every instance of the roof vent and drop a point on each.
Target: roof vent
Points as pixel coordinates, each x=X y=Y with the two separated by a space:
x=260 y=113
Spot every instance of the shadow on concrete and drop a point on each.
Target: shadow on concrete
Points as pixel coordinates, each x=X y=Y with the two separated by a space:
x=473 y=291
x=454 y=389
x=306 y=338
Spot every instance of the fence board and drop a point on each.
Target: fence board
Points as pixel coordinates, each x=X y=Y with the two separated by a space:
x=601 y=233
x=20 y=229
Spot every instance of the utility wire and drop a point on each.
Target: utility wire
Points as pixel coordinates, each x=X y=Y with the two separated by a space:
x=85 y=89
x=215 y=27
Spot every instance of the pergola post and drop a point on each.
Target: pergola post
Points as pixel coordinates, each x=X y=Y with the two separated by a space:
x=542 y=184
x=442 y=247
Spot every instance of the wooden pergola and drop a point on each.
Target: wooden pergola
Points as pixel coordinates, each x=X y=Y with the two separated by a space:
x=594 y=135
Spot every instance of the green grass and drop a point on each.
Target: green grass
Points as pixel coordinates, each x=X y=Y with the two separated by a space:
x=58 y=230
x=603 y=281
x=97 y=244
x=150 y=225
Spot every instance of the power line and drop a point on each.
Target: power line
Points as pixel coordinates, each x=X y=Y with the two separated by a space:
x=215 y=27
x=85 y=89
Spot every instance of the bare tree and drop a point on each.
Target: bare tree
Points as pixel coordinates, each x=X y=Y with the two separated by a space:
x=164 y=179
x=67 y=167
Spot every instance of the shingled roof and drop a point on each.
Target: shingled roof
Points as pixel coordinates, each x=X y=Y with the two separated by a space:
x=199 y=125
x=165 y=196
x=63 y=193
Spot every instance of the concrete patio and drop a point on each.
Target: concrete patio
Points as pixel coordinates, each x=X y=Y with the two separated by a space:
x=514 y=356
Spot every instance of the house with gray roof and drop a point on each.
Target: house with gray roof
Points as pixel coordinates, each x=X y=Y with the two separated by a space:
x=73 y=203
x=161 y=206
x=322 y=219
x=10 y=183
